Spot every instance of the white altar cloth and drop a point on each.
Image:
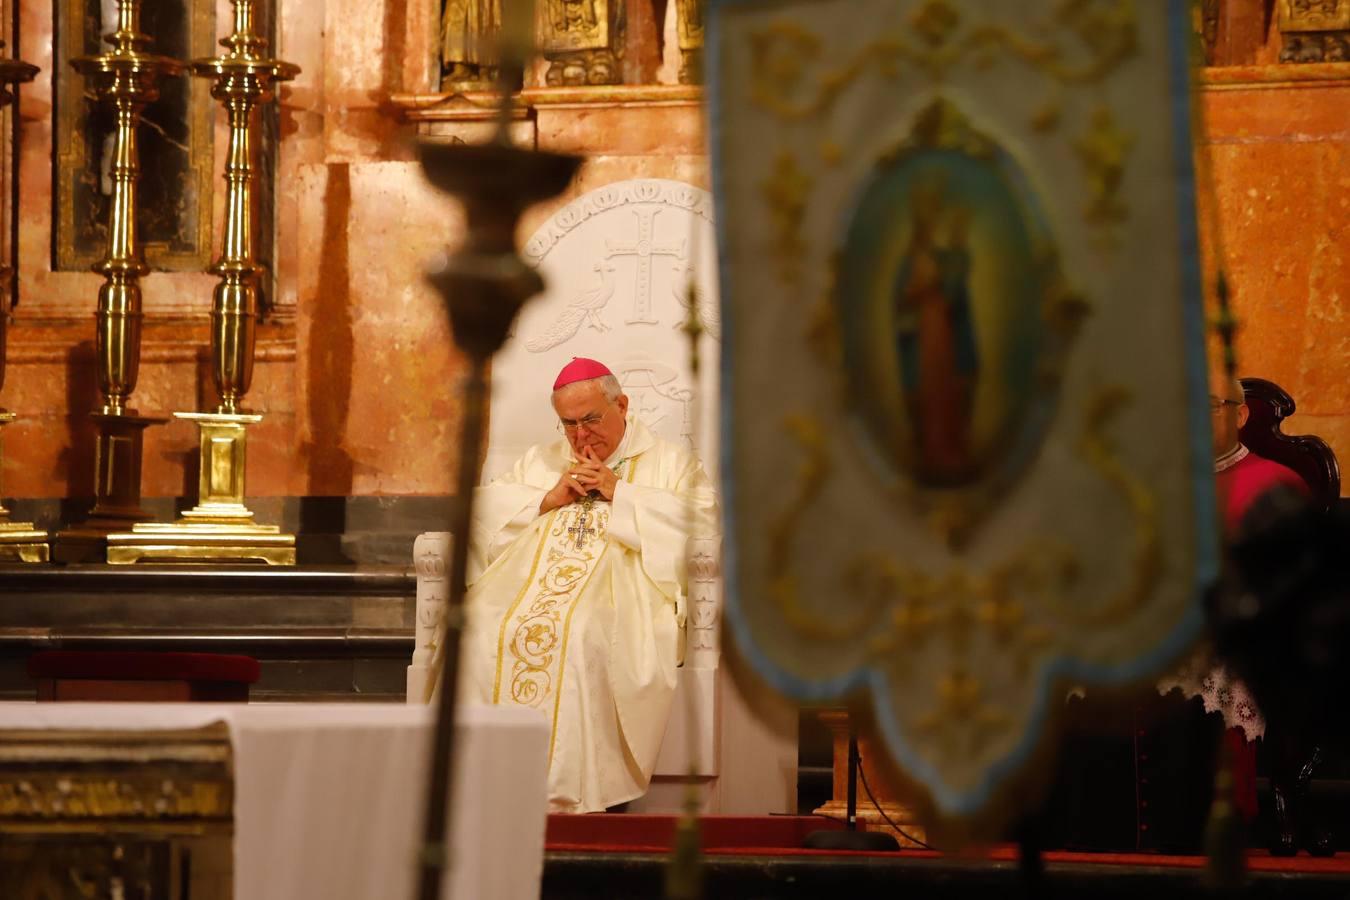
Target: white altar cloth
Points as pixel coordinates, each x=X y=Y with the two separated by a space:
x=329 y=798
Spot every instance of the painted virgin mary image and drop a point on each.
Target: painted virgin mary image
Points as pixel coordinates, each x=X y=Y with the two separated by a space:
x=946 y=278
x=935 y=336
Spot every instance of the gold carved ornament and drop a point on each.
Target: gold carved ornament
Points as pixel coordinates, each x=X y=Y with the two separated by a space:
x=101 y=796
x=583 y=40
x=1315 y=31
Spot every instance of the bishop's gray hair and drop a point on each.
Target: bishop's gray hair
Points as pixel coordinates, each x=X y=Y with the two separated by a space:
x=609 y=386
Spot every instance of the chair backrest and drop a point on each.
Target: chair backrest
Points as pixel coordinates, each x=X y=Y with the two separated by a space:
x=1310 y=456
x=617 y=263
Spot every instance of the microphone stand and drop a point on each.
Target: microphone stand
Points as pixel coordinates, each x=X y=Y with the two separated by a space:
x=851 y=838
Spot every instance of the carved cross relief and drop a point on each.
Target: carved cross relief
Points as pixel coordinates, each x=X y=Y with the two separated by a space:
x=644 y=249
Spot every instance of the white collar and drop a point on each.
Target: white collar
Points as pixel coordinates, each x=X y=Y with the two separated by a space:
x=1230 y=459
x=621 y=451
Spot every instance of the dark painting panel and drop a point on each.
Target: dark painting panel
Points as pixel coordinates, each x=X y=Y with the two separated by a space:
x=175 y=141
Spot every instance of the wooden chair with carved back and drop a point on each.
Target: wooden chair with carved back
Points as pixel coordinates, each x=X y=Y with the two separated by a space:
x=1269 y=405
x=1290 y=756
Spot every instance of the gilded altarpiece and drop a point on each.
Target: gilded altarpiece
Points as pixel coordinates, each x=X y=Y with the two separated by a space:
x=582 y=40
x=175 y=138
x=1315 y=30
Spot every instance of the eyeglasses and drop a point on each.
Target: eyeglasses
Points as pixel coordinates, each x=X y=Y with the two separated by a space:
x=1215 y=404
x=570 y=426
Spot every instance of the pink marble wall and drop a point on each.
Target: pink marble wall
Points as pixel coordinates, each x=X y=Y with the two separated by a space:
x=356 y=374
x=1279 y=139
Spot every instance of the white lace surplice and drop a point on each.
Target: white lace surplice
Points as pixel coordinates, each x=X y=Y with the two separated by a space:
x=1220 y=691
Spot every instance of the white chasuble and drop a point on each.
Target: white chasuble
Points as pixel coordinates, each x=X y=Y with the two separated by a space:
x=579 y=613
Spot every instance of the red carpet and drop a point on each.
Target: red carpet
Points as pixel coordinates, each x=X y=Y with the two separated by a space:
x=784 y=835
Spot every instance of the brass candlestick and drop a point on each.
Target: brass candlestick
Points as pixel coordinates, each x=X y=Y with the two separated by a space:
x=221 y=528
x=19 y=541
x=126 y=79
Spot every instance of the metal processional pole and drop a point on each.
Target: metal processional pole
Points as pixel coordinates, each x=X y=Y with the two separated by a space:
x=484 y=284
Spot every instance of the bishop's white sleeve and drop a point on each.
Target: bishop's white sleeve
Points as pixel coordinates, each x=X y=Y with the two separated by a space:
x=623 y=517
x=657 y=523
x=502 y=511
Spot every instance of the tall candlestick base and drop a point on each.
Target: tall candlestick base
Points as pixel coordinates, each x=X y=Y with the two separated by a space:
x=19 y=541
x=117 y=487
x=124 y=80
x=220 y=528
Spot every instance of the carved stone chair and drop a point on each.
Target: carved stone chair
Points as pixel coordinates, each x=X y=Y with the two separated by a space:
x=1311 y=457
x=617 y=262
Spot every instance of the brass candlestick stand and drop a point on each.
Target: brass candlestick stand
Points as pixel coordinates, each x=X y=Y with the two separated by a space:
x=484 y=285
x=221 y=528
x=124 y=78
x=19 y=541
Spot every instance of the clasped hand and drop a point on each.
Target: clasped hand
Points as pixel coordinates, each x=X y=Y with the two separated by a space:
x=587 y=475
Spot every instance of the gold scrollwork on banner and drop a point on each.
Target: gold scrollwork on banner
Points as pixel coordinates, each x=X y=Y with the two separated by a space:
x=809 y=434
x=956 y=605
x=1103 y=152
x=960 y=712
x=918 y=606
x=1146 y=560
x=791 y=79
x=785 y=192
x=783 y=52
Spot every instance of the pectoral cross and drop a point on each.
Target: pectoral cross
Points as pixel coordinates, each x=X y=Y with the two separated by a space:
x=581 y=531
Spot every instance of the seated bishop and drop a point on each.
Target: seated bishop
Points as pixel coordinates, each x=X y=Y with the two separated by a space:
x=576 y=602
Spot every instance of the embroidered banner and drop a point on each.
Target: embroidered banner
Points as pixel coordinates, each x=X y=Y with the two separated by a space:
x=984 y=474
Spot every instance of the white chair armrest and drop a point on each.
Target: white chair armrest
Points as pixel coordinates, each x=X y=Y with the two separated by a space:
x=431 y=558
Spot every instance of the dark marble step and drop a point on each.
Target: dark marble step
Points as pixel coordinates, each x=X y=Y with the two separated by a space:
x=639 y=876
x=320 y=633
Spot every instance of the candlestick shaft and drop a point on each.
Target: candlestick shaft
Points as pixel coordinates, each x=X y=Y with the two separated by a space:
x=484 y=285
x=234 y=308
x=124 y=78
x=243 y=79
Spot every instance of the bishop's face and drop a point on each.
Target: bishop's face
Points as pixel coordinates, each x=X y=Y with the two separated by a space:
x=589 y=419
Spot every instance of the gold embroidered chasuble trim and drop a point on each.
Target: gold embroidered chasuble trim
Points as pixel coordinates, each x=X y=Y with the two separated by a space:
x=537 y=671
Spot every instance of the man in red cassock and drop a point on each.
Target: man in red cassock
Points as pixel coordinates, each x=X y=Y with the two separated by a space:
x=1241 y=478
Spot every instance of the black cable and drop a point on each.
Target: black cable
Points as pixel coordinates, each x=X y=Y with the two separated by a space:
x=862 y=773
